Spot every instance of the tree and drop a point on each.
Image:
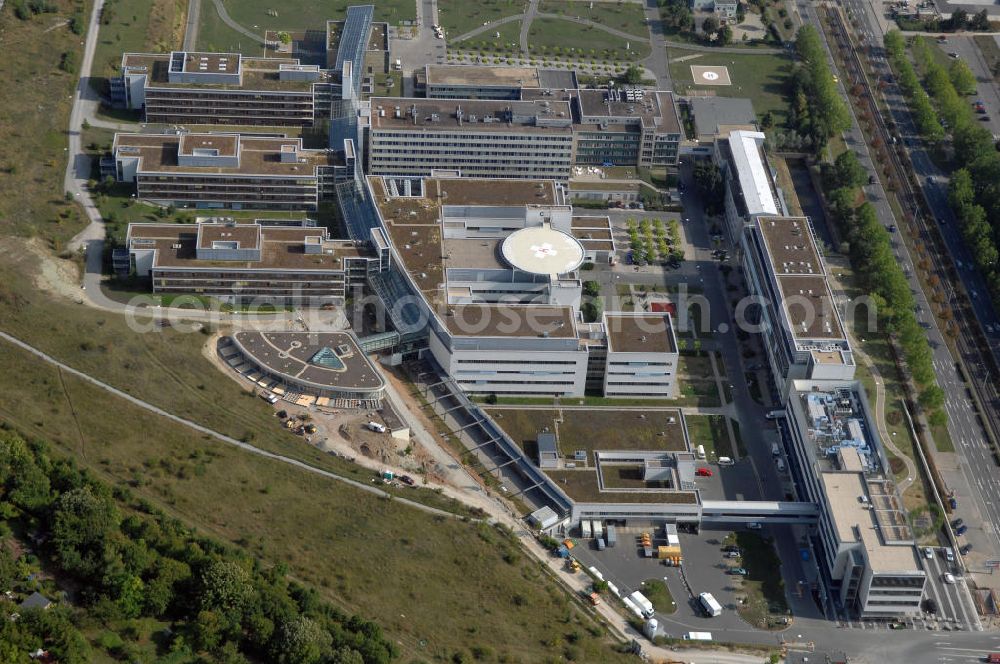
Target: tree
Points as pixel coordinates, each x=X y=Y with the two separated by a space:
x=301 y=641
x=932 y=397
x=710 y=25
x=962 y=77
x=980 y=21
x=83 y=528
x=847 y=171
x=346 y=655
x=708 y=182
x=632 y=75
x=591 y=288
x=725 y=35
x=225 y=586
x=959 y=19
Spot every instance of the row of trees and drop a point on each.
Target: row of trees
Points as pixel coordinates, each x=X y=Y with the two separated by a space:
x=222 y=605
x=974 y=189
x=883 y=278
x=924 y=116
x=818 y=111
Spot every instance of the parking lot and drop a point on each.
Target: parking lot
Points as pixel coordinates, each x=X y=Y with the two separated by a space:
x=705 y=570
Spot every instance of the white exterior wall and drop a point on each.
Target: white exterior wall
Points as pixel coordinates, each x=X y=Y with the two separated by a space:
x=652 y=375
x=514 y=371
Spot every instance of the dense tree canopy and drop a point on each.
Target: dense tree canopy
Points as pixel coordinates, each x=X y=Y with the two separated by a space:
x=221 y=604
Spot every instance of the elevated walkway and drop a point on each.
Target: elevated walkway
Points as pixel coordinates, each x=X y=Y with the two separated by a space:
x=759 y=511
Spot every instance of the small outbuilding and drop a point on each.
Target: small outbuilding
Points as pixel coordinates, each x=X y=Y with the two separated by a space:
x=548 y=451
x=36 y=601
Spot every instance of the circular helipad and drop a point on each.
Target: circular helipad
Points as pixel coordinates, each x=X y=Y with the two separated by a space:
x=542 y=250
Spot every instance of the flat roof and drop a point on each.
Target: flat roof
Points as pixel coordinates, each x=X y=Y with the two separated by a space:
x=441 y=115
x=712 y=113
x=581 y=485
x=652 y=109
x=510 y=320
x=809 y=307
x=294 y=354
x=481 y=253
x=481 y=75
x=639 y=333
x=790 y=245
x=222 y=145
x=751 y=172
x=211 y=63
x=247 y=236
x=257 y=156
x=282 y=248
x=256 y=73
x=847 y=511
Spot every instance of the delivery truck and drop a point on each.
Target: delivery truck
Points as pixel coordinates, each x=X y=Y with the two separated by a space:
x=643 y=603
x=698 y=636
x=710 y=605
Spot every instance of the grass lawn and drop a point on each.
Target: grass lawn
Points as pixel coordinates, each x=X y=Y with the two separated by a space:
x=305 y=14
x=548 y=34
x=361 y=552
x=710 y=431
x=990 y=50
x=763 y=588
x=458 y=17
x=138 y=26
x=214 y=35
x=33 y=125
x=488 y=43
x=598 y=429
x=760 y=77
x=628 y=17
x=657 y=592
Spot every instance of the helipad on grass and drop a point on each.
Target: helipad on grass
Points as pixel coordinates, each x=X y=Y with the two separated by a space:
x=542 y=250
x=706 y=75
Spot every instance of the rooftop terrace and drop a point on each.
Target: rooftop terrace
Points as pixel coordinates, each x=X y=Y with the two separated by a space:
x=324 y=360
x=282 y=248
x=493 y=116
x=257 y=156
x=640 y=333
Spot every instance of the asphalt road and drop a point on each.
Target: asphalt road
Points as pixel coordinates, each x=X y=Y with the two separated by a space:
x=987 y=91
x=975 y=482
x=191 y=31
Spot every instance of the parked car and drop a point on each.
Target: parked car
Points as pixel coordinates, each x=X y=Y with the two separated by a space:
x=738 y=571
x=754 y=525
x=703 y=472
x=928 y=552
x=949 y=555
x=965 y=549
x=733 y=554
x=961 y=530
x=930 y=605
x=730 y=548
x=957 y=523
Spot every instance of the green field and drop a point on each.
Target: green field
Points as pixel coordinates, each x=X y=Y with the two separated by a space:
x=458 y=17
x=710 y=431
x=759 y=77
x=624 y=16
x=136 y=26
x=362 y=552
x=509 y=41
x=597 y=429
x=551 y=36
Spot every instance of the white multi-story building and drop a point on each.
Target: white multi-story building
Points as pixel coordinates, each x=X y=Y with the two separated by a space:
x=497 y=266
x=226 y=170
x=866 y=548
x=795 y=313
x=641 y=356
x=476 y=138
x=749 y=186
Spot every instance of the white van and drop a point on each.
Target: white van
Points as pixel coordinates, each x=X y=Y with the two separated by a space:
x=726 y=461
x=701 y=451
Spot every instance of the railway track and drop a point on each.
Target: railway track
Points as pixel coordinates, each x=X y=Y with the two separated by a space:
x=976 y=367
